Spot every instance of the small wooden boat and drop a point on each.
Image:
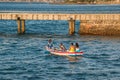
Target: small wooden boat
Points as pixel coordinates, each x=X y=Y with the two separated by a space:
x=63 y=53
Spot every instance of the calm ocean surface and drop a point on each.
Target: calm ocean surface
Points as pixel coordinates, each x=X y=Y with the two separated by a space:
x=23 y=57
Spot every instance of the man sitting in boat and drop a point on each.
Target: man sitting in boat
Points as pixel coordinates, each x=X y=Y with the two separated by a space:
x=62 y=47
x=50 y=44
x=77 y=47
x=72 y=48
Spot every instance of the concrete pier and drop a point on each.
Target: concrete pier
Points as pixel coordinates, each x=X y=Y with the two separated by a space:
x=100 y=27
x=99 y=24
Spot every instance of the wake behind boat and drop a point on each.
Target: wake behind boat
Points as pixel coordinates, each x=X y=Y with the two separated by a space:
x=63 y=53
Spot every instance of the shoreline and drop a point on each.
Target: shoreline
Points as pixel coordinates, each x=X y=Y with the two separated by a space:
x=73 y=3
x=68 y=3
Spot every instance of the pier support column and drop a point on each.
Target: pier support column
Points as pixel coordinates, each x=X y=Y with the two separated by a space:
x=71 y=26
x=23 y=26
x=19 y=26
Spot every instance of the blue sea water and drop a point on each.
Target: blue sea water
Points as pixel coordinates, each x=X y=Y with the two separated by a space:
x=54 y=8
x=23 y=57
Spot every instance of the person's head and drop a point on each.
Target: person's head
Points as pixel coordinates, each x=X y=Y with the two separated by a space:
x=71 y=43
x=76 y=44
x=50 y=40
x=61 y=43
